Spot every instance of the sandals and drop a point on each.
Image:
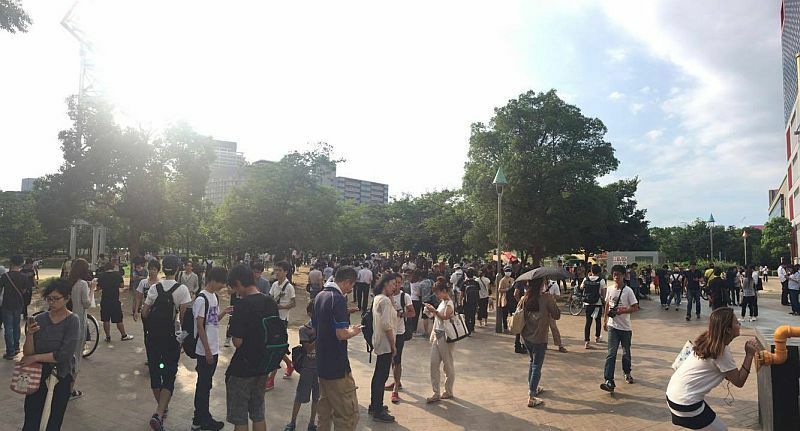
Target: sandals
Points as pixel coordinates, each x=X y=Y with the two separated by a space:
x=562 y=349
x=433 y=399
x=539 y=390
x=447 y=396
x=533 y=402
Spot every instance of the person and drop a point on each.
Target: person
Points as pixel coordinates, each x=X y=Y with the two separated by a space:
x=664 y=288
x=403 y=307
x=207 y=315
x=361 y=294
x=338 y=403
x=677 y=282
x=308 y=385
x=315 y=282
x=620 y=303
x=416 y=298
x=692 y=283
x=110 y=283
x=551 y=289
x=153 y=269
x=245 y=378
x=327 y=272
x=14 y=286
x=732 y=291
x=29 y=269
x=426 y=296
x=384 y=324
x=456 y=282
x=711 y=362
x=79 y=302
x=471 y=289
x=784 y=279
x=163 y=349
x=262 y=284
x=282 y=291
x=483 y=300
x=138 y=273
x=519 y=289
x=188 y=278
x=51 y=340
x=594 y=289
x=765 y=273
x=717 y=291
x=441 y=350
x=794 y=289
x=749 y=294
x=505 y=296
x=539 y=310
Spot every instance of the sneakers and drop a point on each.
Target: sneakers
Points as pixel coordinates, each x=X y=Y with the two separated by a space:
x=9 y=356
x=312 y=427
x=598 y=339
x=608 y=386
x=383 y=416
x=629 y=379
x=155 y=423
x=289 y=371
x=520 y=349
x=126 y=338
x=289 y=427
x=677 y=309
x=270 y=385
x=697 y=317
x=688 y=318
x=753 y=319
x=395 y=397
x=371 y=412
x=211 y=425
x=108 y=339
x=227 y=342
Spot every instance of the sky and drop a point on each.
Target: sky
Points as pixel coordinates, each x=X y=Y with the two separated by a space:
x=691 y=92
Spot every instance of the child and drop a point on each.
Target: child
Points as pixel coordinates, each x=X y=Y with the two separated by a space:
x=308 y=385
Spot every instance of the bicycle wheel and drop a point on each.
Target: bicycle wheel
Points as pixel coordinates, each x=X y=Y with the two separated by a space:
x=704 y=294
x=92 y=336
x=575 y=306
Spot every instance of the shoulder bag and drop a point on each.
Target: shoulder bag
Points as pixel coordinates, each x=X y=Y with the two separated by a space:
x=26 y=379
x=516 y=321
x=455 y=329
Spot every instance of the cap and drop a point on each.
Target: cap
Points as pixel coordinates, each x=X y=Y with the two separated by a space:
x=508 y=268
x=456 y=266
x=171 y=263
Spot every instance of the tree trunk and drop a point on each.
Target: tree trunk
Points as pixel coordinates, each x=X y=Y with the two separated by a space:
x=134 y=240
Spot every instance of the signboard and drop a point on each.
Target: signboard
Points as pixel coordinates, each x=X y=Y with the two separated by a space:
x=620 y=260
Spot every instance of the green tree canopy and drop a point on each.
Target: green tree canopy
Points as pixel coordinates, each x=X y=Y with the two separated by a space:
x=12 y=17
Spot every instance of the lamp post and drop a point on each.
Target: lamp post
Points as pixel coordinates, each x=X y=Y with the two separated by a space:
x=499 y=183
x=711 y=234
x=744 y=235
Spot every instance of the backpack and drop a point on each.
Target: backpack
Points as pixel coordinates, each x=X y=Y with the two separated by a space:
x=460 y=282
x=472 y=290
x=591 y=290
x=161 y=319
x=676 y=282
x=298 y=357
x=276 y=342
x=367 y=330
x=190 y=342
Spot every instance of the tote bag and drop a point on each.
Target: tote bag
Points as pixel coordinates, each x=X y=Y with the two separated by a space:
x=516 y=321
x=26 y=379
x=455 y=329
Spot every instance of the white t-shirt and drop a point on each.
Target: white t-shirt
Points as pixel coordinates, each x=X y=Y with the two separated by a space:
x=211 y=322
x=180 y=295
x=696 y=377
x=627 y=299
x=143 y=286
x=484 y=283
x=286 y=299
x=400 y=329
x=415 y=291
x=384 y=317
x=365 y=275
x=438 y=324
x=459 y=274
x=553 y=289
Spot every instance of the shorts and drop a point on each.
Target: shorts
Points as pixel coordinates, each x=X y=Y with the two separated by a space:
x=162 y=350
x=399 y=342
x=307 y=387
x=244 y=397
x=111 y=311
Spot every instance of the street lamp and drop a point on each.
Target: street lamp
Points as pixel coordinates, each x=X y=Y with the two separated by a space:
x=711 y=234
x=499 y=183
x=744 y=235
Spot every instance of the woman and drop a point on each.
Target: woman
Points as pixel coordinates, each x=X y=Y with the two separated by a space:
x=51 y=341
x=80 y=301
x=384 y=325
x=716 y=290
x=416 y=298
x=749 y=295
x=701 y=372
x=539 y=310
x=441 y=350
x=594 y=290
x=483 y=299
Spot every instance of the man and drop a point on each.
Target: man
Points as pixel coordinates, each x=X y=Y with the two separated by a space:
x=399 y=299
x=471 y=296
x=633 y=279
x=794 y=289
x=315 y=282
x=456 y=282
x=262 y=284
x=620 y=303
x=110 y=283
x=14 y=285
x=363 y=284
x=327 y=273
x=283 y=293
x=338 y=404
x=551 y=288
x=505 y=297
x=692 y=280
x=207 y=316
x=138 y=274
x=245 y=377
x=163 y=350
x=188 y=278
x=677 y=282
x=783 y=278
x=662 y=278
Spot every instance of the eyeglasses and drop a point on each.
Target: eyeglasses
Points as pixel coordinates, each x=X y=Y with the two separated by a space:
x=52 y=299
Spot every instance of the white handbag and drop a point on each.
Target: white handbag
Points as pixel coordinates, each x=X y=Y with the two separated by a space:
x=455 y=329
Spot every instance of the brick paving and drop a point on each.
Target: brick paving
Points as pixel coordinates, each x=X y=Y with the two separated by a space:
x=490 y=388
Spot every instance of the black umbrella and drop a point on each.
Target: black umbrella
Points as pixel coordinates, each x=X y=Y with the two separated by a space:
x=549 y=272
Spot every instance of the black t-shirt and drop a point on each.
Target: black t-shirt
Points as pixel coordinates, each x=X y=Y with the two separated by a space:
x=12 y=299
x=246 y=324
x=109 y=283
x=693 y=279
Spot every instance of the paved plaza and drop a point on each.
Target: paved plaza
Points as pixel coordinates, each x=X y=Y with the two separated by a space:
x=490 y=388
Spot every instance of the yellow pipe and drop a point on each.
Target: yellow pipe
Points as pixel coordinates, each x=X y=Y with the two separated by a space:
x=766 y=357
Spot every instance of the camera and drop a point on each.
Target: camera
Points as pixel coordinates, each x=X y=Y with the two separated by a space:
x=612 y=312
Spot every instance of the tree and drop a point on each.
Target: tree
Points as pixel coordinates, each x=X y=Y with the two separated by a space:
x=776 y=238
x=21 y=231
x=549 y=151
x=12 y=17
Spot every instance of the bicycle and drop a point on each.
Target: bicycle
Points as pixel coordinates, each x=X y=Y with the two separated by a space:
x=575 y=304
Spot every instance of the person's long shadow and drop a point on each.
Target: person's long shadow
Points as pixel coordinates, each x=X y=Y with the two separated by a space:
x=639 y=406
x=461 y=408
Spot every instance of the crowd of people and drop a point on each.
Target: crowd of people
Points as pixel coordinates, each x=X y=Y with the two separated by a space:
x=182 y=310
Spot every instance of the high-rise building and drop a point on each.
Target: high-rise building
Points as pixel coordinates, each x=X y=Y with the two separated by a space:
x=363 y=192
x=226 y=171
x=27 y=184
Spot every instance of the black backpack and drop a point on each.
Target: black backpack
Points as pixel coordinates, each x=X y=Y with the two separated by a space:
x=676 y=282
x=190 y=342
x=276 y=342
x=367 y=330
x=472 y=290
x=298 y=357
x=161 y=319
x=591 y=290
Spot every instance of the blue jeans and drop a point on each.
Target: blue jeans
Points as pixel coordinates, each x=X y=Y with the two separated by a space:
x=615 y=337
x=675 y=292
x=793 y=299
x=536 y=352
x=692 y=296
x=11 y=326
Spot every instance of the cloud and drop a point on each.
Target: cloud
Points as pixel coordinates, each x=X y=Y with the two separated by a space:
x=617 y=54
x=636 y=108
x=616 y=95
x=645 y=90
x=654 y=134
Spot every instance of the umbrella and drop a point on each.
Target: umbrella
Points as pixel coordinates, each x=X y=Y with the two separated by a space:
x=549 y=272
